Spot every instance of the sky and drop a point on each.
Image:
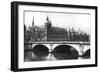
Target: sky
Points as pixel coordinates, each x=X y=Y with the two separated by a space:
x=63 y=20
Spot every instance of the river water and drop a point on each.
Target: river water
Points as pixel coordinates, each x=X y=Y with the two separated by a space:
x=30 y=56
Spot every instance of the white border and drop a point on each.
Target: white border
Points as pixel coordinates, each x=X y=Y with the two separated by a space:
x=22 y=64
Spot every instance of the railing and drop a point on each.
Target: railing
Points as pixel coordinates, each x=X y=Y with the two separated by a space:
x=58 y=42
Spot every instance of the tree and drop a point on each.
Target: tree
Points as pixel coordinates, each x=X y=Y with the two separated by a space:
x=40 y=34
x=27 y=36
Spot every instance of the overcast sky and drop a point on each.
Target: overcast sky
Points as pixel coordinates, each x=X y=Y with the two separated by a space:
x=63 y=20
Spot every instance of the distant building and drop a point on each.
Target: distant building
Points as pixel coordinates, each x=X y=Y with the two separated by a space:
x=50 y=33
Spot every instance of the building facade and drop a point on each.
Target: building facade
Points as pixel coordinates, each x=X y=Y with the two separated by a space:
x=51 y=33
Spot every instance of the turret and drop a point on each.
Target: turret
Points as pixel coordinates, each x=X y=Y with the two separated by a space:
x=48 y=23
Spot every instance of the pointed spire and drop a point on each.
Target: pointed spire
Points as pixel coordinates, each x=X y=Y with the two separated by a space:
x=47 y=18
x=33 y=22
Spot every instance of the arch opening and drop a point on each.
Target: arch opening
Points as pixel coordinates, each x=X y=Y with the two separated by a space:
x=40 y=50
x=65 y=52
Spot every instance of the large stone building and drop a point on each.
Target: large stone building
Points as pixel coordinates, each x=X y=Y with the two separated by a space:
x=54 y=33
x=48 y=32
x=51 y=33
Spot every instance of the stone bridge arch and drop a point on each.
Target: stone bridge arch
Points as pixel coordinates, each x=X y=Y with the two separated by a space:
x=83 y=49
x=78 y=47
x=40 y=50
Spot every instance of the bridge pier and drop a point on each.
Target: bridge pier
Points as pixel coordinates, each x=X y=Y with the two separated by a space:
x=51 y=47
x=81 y=50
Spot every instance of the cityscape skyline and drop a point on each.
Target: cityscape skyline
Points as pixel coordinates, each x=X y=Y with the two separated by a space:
x=63 y=20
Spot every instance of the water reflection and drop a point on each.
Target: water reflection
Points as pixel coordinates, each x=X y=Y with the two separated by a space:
x=62 y=56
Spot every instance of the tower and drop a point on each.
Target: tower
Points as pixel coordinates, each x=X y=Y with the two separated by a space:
x=48 y=23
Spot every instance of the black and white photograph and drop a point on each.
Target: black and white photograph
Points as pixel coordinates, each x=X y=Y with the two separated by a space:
x=53 y=36
x=50 y=36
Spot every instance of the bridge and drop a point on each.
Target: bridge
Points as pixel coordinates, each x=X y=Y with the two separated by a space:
x=81 y=47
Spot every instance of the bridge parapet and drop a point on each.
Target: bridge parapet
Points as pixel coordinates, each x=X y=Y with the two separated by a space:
x=59 y=42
